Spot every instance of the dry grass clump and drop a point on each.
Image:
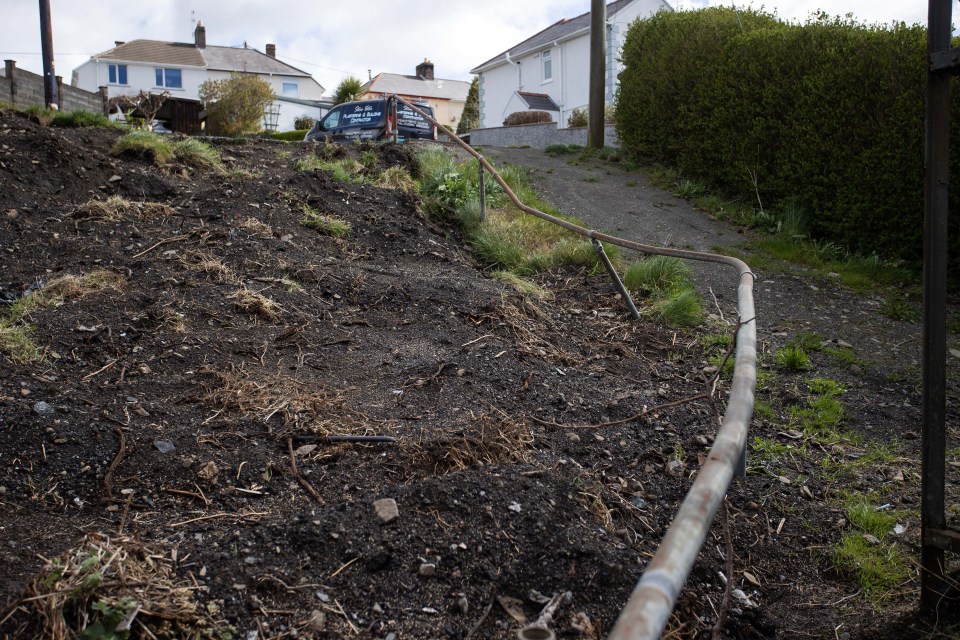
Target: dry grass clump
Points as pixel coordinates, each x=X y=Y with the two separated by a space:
x=116 y=208
x=209 y=264
x=259 y=228
x=396 y=178
x=293 y=402
x=15 y=338
x=527 y=323
x=489 y=440
x=256 y=304
x=109 y=588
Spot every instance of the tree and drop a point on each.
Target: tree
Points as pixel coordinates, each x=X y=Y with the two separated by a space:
x=471 y=110
x=347 y=90
x=144 y=106
x=235 y=105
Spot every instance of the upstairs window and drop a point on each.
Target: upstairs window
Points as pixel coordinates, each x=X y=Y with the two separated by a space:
x=547 y=60
x=169 y=78
x=117 y=74
x=291 y=89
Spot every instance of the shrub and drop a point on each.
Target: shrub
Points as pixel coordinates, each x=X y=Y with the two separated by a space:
x=527 y=117
x=827 y=115
x=578 y=118
x=235 y=106
x=303 y=123
x=470 y=119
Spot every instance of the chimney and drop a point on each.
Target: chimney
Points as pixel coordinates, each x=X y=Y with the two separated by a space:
x=272 y=50
x=425 y=69
x=200 y=36
x=117 y=43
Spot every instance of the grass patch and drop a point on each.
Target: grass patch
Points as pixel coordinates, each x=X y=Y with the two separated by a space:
x=792 y=357
x=555 y=150
x=81 y=118
x=897 y=308
x=823 y=414
x=524 y=286
x=878 y=565
x=396 y=178
x=844 y=356
x=665 y=282
x=296 y=135
x=197 y=154
x=343 y=169
x=144 y=144
x=116 y=208
x=327 y=224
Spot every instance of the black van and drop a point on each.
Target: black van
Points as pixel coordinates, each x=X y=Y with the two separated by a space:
x=373 y=120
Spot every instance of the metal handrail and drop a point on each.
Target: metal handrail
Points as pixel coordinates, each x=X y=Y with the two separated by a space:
x=647 y=611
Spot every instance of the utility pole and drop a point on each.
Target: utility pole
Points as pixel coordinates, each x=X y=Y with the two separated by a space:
x=598 y=72
x=46 y=46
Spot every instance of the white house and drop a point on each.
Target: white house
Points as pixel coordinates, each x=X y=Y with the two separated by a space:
x=180 y=68
x=550 y=71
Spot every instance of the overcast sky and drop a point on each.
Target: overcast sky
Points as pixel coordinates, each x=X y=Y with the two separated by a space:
x=333 y=39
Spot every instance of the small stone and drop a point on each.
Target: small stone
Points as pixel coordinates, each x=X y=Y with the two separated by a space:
x=710 y=369
x=784 y=480
x=638 y=502
x=675 y=467
x=428 y=569
x=377 y=608
x=702 y=440
x=463 y=605
x=322 y=596
x=25 y=392
x=250 y=560
x=805 y=490
x=572 y=437
x=42 y=408
x=869 y=539
x=515 y=506
x=3 y=490
x=386 y=509
x=114 y=178
x=209 y=472
x=844 y=345
x=305 y=449
x=164 y=446
x=239 y=587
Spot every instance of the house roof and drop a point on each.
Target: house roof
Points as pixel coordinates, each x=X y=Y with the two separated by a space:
x=539 y=101
x=416 y=86
x=211 y=57
x=557 y=31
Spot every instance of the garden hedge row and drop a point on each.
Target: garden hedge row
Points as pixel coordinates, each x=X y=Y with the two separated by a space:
x=827 y=115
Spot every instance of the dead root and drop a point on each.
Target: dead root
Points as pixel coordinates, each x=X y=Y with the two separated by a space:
x=490 y=439
x=107 y=587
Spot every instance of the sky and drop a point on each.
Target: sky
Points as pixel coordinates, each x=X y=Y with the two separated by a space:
x=336 y=39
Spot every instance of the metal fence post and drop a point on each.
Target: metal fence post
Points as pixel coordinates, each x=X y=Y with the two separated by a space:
x=483 y=191
x=615 y=277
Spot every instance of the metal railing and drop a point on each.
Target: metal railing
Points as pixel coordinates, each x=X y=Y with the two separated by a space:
x=655 y=595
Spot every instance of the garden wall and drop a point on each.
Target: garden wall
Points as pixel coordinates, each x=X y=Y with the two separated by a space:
x=24 y=89
x=537 y=136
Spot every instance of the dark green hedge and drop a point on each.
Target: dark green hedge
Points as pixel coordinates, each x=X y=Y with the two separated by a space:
x=828 y=115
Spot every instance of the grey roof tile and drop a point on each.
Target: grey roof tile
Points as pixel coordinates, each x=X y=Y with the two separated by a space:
x=417 y=86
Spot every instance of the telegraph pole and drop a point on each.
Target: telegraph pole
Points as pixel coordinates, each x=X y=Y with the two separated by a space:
x=598 y=72
x=46 y=46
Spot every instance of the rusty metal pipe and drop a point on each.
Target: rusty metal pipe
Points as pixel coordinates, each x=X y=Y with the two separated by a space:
x=647 y=611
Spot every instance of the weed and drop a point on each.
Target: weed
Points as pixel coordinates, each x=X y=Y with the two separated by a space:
x=555 y=150
x=808 y=341
x=368 y=159
x=344 y=169
x=396 y=178
x=688 y=189
x=897 y=308
x=764 y=411
x=792 y=358
x=768 y=451
x=842 y=355
x=590 y=179
x=683 y=309
x=197 y=154
x=825 y=387
x=630 y=183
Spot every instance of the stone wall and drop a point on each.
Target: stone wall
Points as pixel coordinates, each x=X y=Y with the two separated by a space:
x=538 y=136
x=23 y=89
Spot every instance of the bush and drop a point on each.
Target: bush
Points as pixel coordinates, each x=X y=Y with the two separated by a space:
x=578 y=118
x=235 y=105
x=527 y=117
x=303 y=123
x=289 y=136
x=825 y=116
x=347 y=90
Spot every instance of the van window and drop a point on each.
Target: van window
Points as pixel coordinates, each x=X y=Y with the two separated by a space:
x=410 y=119
x=332 y=120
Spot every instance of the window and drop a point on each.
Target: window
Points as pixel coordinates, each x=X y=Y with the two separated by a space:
x=291 y=89
x=332 y=120
x=169 y=78
x=547 y=59
x=117 y=73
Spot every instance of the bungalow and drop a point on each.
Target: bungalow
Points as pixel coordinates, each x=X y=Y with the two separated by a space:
x=447 y=97
x=180 y=68
x=550 y=71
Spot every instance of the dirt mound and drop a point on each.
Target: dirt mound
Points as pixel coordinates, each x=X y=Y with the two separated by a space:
x=181 y=406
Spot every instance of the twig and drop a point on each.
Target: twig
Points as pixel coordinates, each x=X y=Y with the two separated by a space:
x=728 y=590
x=483 y=617
x=190 y=494
x=666 y=405
x=108 y=476
x=467 y=344
x=349 y=562
x=100 y=370
x=716 y=303
x=296 y=473
x=162 y=242
x=220 y=515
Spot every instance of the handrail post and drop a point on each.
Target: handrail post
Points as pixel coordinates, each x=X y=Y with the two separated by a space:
x=598 y=247
x=483 y=191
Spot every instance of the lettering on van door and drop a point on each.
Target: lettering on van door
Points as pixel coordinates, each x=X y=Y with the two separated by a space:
x=362 y=114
